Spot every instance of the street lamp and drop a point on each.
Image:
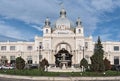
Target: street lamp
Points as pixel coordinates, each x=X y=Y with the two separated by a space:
x=40 y=56
x=109 y=53
x=83 y=49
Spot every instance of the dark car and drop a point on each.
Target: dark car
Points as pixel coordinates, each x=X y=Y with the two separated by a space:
x=115 y=67
x=34 y=66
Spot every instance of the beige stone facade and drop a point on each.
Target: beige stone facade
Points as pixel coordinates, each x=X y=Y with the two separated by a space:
x=62 y=35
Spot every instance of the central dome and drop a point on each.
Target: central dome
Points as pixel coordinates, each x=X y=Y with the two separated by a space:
x=62 y=22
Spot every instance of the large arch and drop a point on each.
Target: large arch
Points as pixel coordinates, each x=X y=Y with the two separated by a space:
x=70 y=48
x=63 y=48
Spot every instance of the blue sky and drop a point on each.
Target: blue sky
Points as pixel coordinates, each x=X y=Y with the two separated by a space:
x=24 y=19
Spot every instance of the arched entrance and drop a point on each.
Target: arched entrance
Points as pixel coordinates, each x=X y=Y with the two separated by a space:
x=64 y=45
x=63 y=56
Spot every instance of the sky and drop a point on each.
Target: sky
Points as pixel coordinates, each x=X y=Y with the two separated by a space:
x=24 y=19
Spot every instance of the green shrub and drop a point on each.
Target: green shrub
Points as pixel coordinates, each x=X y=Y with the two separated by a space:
x=84 y=63
x=107 y=64
x=44 y=63
x=20 y=63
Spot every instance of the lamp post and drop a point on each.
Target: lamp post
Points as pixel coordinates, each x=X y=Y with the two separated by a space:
x=39 y=53
x=83 y=49
x=83 y=52
x=109 y=53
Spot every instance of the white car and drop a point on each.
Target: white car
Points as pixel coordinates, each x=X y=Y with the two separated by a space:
x=7 y=67
x=0 y=67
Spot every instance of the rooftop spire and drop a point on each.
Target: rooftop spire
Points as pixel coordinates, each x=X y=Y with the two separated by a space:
x=63 y=13
x=47 y=22
x=78 y=22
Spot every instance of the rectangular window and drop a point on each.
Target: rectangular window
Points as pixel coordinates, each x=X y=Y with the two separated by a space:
x=12 y=57
x=2 y=57
x=29 y=59
x=86 y=45
x=12 y=47
x=3 y=47
x=29 y=48
x=116 y=60
x=116 y=48
x=40 y=45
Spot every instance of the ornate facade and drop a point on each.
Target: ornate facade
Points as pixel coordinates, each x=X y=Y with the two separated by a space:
x=61 y=39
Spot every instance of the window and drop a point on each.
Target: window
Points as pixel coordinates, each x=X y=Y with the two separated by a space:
x=2 y=57
x=29 y=48
x=79 y=31
x=12 y=47
x=12 y=59
x=3 y=47
x=29 y=59
x=116 y=60
x=86 y=45
x=40 y=45
x=116 y=48
x=46 y=30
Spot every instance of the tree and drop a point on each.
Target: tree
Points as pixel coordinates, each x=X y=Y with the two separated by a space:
x=84 y=63
x=44 y=63
x=97 y=62
x=20 y=63
x=107 y=64
x=3 y=61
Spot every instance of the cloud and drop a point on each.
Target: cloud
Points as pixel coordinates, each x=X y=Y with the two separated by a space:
x=14 y=33
x=10 y=31
x=104 y=37
x=38 y=27
x=105 y=5
x=35 y=11
x=2 y=22
x=28 y=11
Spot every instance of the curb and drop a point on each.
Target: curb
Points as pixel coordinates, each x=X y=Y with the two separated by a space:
x=116 y=78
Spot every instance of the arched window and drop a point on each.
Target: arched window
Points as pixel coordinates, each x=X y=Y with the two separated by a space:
x=79 y=31
x=46 y=30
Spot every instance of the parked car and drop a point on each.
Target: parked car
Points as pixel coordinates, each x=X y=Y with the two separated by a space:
x=115 y=67
x=34 y=66
x=7 y=67
x=0 y=67
x=31 y=66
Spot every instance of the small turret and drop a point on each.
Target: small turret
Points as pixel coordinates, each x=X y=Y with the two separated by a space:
x=79 y=28
x=78 y=22
x=47 y=28
x=47 y=22
x=63 y=13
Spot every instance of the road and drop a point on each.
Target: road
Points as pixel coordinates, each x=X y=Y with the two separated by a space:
x=11 y=79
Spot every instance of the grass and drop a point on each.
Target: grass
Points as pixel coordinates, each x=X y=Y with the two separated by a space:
x=36 y=72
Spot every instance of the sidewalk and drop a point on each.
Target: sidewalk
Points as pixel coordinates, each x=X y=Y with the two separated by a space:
x=116 y=78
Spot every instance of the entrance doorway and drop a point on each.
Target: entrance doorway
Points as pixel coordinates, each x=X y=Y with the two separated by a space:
x=63 y=56
x=116 y=60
